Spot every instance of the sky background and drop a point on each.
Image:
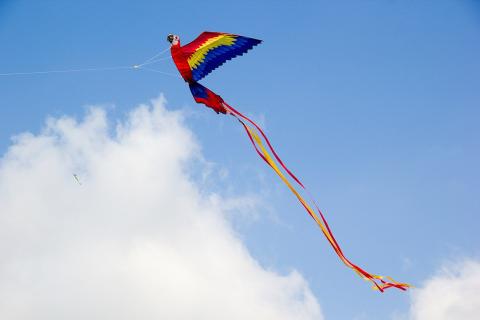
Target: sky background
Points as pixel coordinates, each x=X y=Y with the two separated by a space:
x=374 y=104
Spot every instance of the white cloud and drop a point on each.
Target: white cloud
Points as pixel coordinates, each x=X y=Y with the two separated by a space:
x=137 y=240
x=452 y=294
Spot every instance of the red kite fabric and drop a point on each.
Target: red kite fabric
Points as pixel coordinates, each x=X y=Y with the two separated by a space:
x=209 y=51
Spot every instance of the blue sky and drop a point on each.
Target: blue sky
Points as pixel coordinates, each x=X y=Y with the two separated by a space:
x=373 y=103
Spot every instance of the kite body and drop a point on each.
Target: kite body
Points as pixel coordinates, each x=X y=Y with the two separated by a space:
x=209 y=51
x=181 y=61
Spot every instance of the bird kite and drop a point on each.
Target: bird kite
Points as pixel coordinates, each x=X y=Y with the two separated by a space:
x=207 y=52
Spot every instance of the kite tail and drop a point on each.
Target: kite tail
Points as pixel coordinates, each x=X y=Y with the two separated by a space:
x=255 y=134
x=207 y=97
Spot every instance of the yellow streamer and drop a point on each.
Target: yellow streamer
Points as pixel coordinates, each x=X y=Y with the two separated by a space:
x=371 y=277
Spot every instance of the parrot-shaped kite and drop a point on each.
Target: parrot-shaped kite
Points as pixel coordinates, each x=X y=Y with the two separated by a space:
x=207 y=52
x=204 y=54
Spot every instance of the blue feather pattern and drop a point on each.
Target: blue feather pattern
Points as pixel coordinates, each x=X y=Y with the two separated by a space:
x=218 y=56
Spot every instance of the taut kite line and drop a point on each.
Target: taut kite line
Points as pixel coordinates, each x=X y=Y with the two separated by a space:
x=207 y=52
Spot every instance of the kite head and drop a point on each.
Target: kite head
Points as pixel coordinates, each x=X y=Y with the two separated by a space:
x=173 y=39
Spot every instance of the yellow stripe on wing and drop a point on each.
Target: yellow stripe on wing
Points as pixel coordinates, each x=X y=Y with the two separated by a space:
x=199 y=55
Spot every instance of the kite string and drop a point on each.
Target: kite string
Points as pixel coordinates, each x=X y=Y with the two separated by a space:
x=150 y=60
x=66 y=71
x=161 y=72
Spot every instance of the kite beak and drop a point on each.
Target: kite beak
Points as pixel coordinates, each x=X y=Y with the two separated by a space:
x=170 y=38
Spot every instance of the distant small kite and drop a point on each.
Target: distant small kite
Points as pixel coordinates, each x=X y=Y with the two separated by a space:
x=207 y=52
x=77 y=179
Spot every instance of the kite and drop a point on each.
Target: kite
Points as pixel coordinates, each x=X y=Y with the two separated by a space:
x=209 y=51
x=77 y=179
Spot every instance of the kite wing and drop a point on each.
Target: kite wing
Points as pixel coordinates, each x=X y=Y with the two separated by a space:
x=212 y=49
